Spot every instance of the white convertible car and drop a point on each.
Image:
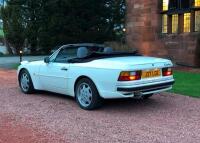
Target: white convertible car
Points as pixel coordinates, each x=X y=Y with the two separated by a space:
x=92 y=72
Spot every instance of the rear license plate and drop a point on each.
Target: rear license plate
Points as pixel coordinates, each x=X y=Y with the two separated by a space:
x=151 y=73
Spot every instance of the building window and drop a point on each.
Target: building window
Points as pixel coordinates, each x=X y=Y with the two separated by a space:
x=173 y=4
x=165 y=5
x=179 y=4
x=197 y=3
x=175 y=23
x=197 y=20
x=180 y=16
x=184 y=4
x=164 y=23
x=186 y=27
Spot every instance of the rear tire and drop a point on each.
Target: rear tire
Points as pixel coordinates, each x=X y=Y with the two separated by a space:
x=87 y=95
x=25 y=82
x=147 y=96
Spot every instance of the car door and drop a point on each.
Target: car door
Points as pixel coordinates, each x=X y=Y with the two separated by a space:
x=55 y=74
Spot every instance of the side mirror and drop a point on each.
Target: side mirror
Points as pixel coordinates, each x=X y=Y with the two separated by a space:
x=46 y=60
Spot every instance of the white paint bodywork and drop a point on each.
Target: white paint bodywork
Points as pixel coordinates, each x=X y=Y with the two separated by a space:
x=103 y=72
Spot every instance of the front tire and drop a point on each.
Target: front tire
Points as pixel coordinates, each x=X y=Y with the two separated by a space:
x=87 y=95
x=25 y=82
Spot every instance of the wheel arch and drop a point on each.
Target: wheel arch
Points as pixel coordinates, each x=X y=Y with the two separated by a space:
x=20 y=72
x=22 y=69
x=81 y=77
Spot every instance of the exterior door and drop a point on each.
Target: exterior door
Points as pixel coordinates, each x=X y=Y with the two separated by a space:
x=55 y=74
x=53 y=77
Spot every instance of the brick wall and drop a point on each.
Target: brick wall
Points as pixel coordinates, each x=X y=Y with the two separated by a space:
x=182 y=48
x=144 y=32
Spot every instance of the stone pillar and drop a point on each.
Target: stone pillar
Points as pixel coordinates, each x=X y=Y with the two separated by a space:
x=144 y=27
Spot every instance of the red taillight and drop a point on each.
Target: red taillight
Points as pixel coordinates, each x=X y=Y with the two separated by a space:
x=129 y=76
x=167 y=72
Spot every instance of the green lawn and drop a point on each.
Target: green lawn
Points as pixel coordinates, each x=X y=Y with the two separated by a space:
x=15 y=66
x=187 y=83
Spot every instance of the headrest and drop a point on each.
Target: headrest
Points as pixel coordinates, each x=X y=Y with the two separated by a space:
x=108 y=50
x=82 y=52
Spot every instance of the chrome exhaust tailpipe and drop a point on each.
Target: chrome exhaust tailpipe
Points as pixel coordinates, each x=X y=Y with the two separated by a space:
x=138 y=95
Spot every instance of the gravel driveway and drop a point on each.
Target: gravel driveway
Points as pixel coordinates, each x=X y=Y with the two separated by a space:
x=48 y=117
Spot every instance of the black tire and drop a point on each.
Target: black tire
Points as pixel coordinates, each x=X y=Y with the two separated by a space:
x=96 y=100
x=147 y=96
x=30 y=88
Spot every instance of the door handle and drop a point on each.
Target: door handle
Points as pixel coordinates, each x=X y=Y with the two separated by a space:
x=64 y=69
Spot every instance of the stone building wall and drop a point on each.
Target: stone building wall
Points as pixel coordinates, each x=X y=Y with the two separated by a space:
x=144 y=33
x=182 y=48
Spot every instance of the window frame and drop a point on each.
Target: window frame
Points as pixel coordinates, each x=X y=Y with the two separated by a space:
x=54 y=55
x=165 y=5
x=196 y=3
x=196 y=29
x=182 y=7
x=176 y=16
x=186 y=26
x=164 y=24
x=64 y=48
x=179 y=4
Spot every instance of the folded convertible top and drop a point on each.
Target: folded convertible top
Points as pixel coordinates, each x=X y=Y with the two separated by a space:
x=97 y=56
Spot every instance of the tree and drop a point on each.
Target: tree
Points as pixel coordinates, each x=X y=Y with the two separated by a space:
x=73 y=21
x=33 y=17
x=117 y=18
x=49 y=23
x=13 y=25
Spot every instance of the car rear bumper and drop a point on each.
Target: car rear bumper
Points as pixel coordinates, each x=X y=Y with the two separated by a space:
x=147 y=88
x=135 y=90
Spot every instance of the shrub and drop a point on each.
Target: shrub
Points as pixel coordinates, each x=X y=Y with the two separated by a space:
x=118 y=46
x=1 y=54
